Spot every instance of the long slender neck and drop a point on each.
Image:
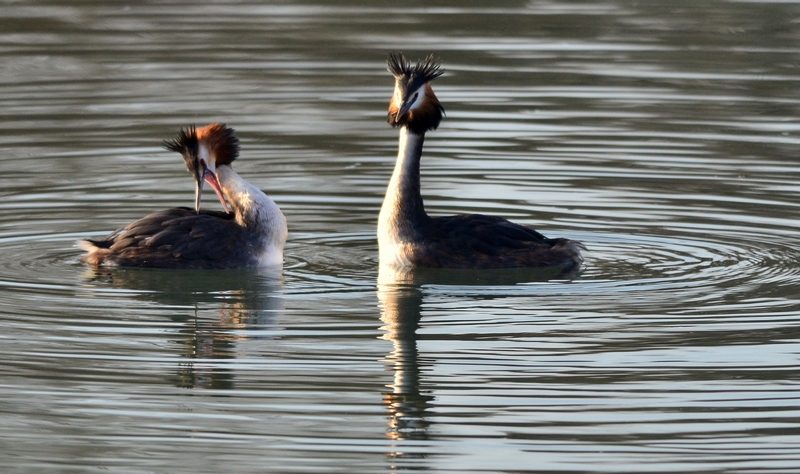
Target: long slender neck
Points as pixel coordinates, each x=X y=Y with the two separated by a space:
x=254 y=210
x=403 y=212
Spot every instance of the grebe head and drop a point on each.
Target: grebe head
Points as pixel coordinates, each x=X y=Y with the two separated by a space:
x=203 y=149
x=414 y=105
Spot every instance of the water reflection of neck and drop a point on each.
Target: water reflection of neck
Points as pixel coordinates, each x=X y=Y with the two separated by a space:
x=406 y=403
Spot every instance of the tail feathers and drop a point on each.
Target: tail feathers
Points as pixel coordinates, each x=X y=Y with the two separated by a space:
x=96 y=253
x=576 y=248
x=570 y=249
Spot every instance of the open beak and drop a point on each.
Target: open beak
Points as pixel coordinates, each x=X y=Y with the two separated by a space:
x=212 y=180
x=208 y=177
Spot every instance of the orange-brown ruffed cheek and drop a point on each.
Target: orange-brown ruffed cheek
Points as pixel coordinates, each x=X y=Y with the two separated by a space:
x=429 y=95
x=429 y=106
x=394 y=107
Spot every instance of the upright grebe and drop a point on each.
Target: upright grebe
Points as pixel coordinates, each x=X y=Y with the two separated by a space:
x=408 y=237
x=252 y=236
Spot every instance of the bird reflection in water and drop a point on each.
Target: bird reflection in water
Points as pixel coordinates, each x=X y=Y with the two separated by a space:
x=400 y=292
x=406 y=402
x=229 y=314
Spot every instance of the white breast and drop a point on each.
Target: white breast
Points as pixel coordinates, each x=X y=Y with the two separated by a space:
x=394 y=254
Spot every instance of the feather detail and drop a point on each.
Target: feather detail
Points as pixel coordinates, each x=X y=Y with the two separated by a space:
x=174 y=238
x=221 y=141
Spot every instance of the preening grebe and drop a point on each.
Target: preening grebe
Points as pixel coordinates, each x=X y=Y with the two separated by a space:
x=252 y=235
x=408 y=237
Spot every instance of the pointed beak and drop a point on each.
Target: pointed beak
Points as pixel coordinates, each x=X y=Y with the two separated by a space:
x=208 y=176
x=402 y=111
x=198 y=193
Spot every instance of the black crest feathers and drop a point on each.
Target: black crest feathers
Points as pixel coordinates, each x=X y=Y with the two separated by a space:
x=185 y=143
x=413 y=77
x=218 y=138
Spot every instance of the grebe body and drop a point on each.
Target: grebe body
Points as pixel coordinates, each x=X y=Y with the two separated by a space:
x=252 y=235
x=409 y=237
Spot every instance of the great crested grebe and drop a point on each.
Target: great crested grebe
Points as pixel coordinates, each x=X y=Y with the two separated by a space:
x=408 y=237
x=252 y=235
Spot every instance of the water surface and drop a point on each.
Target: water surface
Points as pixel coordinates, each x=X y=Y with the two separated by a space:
x=663 y=136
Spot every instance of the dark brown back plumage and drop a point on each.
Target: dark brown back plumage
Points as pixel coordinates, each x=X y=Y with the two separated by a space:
x=480 y=241
x=175 y=238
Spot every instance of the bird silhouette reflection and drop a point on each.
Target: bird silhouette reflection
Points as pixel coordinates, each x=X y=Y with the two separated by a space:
x=224 y=314
x=409 y=401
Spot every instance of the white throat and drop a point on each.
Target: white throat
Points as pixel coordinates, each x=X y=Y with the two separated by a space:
x=402 y=212
x=257 y=213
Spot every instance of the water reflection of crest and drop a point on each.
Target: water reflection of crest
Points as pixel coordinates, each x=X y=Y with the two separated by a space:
x=229 y=314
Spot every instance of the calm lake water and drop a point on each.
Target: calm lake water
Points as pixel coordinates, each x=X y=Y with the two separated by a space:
x=664 y=135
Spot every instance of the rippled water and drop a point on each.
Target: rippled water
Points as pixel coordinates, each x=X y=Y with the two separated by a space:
x=663 y=136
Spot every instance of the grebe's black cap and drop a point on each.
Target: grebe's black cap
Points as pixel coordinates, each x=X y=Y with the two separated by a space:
x=409 y=77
